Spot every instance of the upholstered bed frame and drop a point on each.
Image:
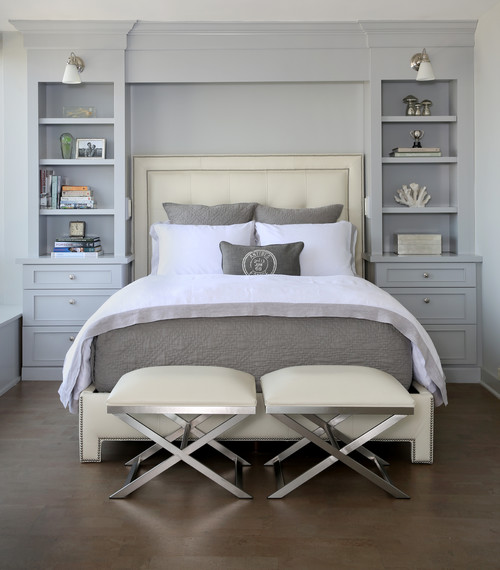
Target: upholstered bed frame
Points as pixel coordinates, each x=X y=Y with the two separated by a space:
x=282 y=181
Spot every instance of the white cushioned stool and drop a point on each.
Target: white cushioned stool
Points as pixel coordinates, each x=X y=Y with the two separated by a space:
x=176 y=391
x=336 y=392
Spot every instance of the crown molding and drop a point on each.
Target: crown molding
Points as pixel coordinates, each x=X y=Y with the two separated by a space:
x=459 y=33
x=74 y=34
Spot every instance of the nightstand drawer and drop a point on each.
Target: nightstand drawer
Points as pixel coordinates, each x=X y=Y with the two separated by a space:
x=74 y=276
x=47 y=346
x=455 y=344
x=438 y=306
x=425 y=274
x=62 y=307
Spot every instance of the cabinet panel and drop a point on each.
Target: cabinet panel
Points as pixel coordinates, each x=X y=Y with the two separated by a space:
x=73 y=276
x=438 y=305
x=62 y=307
x=426 y=274
x=47 y=346
x=455 y=345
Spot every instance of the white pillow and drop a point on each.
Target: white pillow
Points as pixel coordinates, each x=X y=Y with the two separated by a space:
x=328 y=248
x=194 y=249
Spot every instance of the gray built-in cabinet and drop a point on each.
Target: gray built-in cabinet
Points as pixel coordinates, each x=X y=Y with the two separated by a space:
x=440 y=290
x=125 y=60
x=61 y=293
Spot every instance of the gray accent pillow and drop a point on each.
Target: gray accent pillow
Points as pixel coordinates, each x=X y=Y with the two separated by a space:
x=219 y=215
x=280 y=259
x=322 y=215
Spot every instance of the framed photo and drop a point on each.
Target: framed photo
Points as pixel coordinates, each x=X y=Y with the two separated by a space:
x=90 y=148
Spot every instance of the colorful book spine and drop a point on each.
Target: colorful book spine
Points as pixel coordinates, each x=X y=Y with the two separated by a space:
x=75 y=254
x=77 y=248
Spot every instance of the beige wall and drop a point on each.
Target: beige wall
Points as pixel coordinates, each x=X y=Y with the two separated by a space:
x=487 y=88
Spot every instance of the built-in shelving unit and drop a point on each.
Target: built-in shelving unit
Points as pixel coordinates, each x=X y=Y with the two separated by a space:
x=61 y=293
x=440 y=290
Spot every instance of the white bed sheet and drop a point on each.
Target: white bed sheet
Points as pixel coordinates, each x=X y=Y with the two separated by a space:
x=158 y=297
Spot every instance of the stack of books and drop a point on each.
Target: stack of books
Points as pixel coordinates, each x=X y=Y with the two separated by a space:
x=415 y=152
x=76 y=197
x=67 y=246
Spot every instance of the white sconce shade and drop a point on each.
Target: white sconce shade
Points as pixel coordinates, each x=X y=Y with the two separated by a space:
x=74 y=66
x=421 y=63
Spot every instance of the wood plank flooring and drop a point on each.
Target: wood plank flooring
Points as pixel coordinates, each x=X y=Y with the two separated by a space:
x=55 y=512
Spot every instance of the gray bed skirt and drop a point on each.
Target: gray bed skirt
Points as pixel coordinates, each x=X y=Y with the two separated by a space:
x=257 y=345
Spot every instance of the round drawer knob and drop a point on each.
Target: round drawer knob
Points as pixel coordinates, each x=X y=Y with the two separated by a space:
x=426 y=276
x=72 y=302
x=71 y=338
x=72 y=276
x=427 y=300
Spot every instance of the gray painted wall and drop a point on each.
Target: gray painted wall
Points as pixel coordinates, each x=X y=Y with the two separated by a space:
x=247 y=118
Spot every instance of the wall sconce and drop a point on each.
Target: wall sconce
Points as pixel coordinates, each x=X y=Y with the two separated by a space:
x=74 y=66
x=421 y=63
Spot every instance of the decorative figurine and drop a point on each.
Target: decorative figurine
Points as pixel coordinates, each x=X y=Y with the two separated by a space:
x=426 y=104
x=66 y=140
x=412 y=196
x=410 y=101
x=417 y=134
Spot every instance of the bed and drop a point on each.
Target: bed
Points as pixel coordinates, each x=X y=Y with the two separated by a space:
x=257 y=323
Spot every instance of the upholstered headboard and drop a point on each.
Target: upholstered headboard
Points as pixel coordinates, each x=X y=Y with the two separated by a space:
x=284 y=181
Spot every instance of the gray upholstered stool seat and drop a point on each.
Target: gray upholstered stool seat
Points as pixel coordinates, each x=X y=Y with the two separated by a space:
x=338 y=391
x=202 y=391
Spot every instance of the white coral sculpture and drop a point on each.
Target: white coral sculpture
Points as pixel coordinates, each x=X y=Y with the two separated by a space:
x=412 y=196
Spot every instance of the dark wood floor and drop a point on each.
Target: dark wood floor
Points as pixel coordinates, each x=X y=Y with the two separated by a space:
x=55 y=512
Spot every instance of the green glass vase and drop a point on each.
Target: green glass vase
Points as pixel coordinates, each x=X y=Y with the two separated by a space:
x=67 y=141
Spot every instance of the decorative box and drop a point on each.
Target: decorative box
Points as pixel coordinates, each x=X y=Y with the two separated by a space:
x=417 y=244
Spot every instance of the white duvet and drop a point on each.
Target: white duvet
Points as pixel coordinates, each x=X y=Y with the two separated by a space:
x=158 y=297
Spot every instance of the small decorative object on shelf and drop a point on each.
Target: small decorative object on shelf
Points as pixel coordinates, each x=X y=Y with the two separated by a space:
x=79 y=112
x=426 y=107
x=66 y=140
x=417 y=135
x=412 y=196
x=418 y=244
x=90 y=148
x=77 y=229
x=410 y=101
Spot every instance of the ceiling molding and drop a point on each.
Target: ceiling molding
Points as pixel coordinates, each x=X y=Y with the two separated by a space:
x=458 y=33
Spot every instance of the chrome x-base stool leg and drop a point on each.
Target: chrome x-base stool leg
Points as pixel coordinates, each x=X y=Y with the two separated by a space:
x=337 y=392
x=336 y=453
x=182 y=453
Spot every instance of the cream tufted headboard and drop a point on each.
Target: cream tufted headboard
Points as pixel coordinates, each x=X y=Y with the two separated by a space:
x=296 y=181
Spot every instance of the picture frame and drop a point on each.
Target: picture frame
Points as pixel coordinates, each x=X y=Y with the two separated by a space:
x=90 y=148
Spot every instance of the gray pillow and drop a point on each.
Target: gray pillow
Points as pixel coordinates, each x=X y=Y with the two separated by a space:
x=220 y=215
x=280 y=259
x=322 y=215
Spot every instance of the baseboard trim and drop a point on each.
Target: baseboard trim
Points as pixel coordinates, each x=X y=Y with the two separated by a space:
x=491 y=383
x=9 y=385
x=462 y=374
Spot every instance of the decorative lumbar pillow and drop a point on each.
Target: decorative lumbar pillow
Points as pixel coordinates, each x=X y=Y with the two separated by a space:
x=321 y=215
x=328 y=248
x=281 y=259
x=219 y=215
x=194 y=249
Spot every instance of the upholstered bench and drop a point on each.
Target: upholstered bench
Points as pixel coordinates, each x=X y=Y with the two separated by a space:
x=326 y=396
x=177 y=391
